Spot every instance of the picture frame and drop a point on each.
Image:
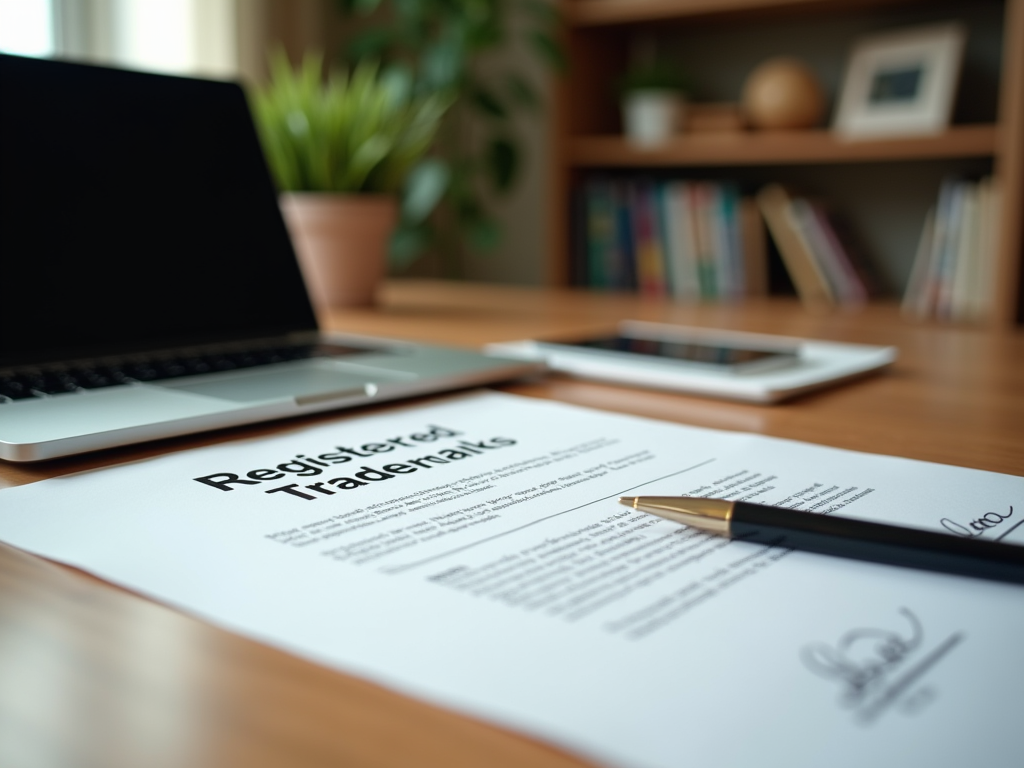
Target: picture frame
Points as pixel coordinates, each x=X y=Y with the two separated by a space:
x=901 y=83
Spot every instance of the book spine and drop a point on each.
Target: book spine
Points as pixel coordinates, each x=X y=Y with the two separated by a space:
x=734 y=240
x=579 y=239
x=966 y=260
x=720 y=256
x=942 y=249
x=704 y=239
x=666 y=236
x=682 y=248
x=649 y=260
x=626 y=249
x=600 y=215
x=755 y=249
x=827 y=249
x=810 y=284
x=914 y=295
x=989 y=213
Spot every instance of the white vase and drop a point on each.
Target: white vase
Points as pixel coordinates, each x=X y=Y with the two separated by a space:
x=342 y=243
x=652 y=116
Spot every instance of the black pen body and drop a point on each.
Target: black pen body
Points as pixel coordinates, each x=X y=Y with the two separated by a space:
x=876 y=542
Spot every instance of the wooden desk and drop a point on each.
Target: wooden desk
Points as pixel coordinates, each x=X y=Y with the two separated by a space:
x=92 y=675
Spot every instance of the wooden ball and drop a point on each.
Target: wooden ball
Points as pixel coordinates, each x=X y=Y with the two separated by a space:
x=783 y=94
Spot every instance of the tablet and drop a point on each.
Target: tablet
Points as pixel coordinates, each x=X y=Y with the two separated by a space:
x=716 y=363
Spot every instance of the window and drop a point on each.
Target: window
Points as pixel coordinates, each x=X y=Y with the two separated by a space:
x=27 y=27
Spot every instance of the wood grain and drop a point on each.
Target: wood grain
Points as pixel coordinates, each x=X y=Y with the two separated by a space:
x=598 y=12
x=731 y=148
x=1008 y=307
x=91 y=675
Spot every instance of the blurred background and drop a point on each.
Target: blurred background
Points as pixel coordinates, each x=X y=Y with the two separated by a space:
x=233 y=39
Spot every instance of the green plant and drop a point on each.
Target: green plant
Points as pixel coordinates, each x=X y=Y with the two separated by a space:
x=359 y=132
x=447 y=44
x=649 y=70
x=660 y=78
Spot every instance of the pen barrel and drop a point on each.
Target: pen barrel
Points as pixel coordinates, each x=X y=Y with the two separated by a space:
x=877 y=543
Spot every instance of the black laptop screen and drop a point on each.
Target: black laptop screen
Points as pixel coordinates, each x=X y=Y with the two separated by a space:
x=136 y=212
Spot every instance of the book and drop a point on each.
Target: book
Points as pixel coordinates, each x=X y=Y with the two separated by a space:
x=725 y=239
x=966 y=261
x=913 y=304
x=602 y=238
x=989 y=220
x=954 y=268
x=827 y=249
x=650 y=260
x=707 y=267
x=754 y=248
x=625 y=274
x=810 y=282
x=944 y=266
x=680 y=241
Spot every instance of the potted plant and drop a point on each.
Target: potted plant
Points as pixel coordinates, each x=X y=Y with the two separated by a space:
x=460 y=47
x=341 y=150
x=653 y=104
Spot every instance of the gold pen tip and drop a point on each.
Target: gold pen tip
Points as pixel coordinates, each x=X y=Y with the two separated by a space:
x=629 y=501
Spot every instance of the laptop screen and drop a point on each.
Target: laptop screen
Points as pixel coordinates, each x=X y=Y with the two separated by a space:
x=136 y=212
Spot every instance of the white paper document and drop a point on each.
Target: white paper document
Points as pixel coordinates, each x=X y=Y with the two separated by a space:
x=473 y=553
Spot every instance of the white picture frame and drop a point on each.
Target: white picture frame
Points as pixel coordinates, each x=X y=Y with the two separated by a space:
x=901 y=83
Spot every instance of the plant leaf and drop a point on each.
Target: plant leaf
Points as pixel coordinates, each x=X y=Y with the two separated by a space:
x=485 y=234
x=546 y=46
x=371 y=44
x=407 y=243
x=487 y=102
x=522 y=91
x=502 y=163
x=443 y=64
x=364 y=7
x=543 y=10
x=424 y=188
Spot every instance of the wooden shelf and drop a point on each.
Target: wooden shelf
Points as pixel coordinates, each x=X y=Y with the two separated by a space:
x=582 y=13
x=725 y=40
x=778 y=148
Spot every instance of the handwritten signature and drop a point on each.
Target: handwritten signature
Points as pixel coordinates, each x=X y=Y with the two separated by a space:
x=977 y=526
x=863 y=658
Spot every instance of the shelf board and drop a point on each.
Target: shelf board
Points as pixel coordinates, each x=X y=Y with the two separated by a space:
x=581 y=13
x=780 y=148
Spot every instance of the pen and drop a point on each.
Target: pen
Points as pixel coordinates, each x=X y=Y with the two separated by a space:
x=840 y=536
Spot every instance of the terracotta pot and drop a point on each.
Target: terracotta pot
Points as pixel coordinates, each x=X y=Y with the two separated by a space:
x=342 y=243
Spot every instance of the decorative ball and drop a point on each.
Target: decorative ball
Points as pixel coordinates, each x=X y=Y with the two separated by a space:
x=782 y=94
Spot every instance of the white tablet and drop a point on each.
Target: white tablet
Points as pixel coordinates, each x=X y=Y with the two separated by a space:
x=726 y=364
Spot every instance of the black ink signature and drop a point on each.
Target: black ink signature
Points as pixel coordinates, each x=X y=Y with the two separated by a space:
x=977 y=526
x=863 y=658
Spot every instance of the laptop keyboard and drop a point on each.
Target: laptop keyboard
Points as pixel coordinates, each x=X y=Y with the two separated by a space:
x=52 y=380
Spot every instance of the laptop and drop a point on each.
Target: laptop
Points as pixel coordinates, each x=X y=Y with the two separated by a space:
x=148 y=286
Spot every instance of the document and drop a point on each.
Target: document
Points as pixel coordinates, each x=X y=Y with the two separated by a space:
x=472 y=552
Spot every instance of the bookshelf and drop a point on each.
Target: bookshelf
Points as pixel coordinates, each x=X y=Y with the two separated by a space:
x=987 y=135
x=774 y=147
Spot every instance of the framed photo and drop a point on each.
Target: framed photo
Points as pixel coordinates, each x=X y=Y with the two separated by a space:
x=901 y=83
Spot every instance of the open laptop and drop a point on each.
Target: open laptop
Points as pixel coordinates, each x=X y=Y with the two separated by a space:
x=148 y=287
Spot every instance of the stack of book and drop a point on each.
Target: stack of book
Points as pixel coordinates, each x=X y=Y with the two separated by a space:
x=691 y=240
x=822 y=268
x=954 y=270
x=700 y=240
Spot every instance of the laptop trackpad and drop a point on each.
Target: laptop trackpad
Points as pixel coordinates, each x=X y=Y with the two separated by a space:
x=300 y=379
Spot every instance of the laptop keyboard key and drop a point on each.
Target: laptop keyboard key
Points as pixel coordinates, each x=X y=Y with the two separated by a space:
x=36 y=383
x=14 y=388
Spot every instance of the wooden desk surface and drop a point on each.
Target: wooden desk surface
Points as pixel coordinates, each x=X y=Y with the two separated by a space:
x=93 y=675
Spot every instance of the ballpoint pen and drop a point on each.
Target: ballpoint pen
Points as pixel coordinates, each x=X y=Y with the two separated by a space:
x=840 y=536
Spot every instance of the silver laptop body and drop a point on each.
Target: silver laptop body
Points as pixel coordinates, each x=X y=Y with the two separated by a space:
x=148 y=287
